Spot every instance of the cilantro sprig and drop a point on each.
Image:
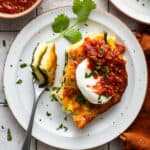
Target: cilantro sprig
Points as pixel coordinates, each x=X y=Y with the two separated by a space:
x=61 y=24
x=82 y=9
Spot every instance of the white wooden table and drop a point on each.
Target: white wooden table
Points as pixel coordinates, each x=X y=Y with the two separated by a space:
x=8 y=31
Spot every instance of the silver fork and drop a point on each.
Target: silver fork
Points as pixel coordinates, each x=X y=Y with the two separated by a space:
x=37 y=93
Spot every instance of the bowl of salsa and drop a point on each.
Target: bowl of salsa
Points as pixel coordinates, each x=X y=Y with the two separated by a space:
x=17 y=8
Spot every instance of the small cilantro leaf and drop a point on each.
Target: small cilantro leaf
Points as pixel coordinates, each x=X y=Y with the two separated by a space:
x=80 y=99
x=105 y=71
x=23 y=65
x=60 y=23
x=77 y=6
x=102 y=49
x=72 y=35
x=99 y=99
x=4 y=43
x=48 y=114
x=61 y=126
x=19 y=81
x=88 y=75
x=82 y=9
x=9 y=135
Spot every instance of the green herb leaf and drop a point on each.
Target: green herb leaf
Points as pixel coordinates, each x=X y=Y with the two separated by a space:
x=53 y=98
x=88 y=75
x=65 y=128
x=9 y=135
x=82 y=9
x=48 y=114
x=23 y=65
x=80 y=99
x=61 y=126
x=60 y=23
x=2 y=127
x=4 y=43
x=19 y=81
x=102 y=49
x=74 y=57
x=72 y=35
x=99 y=99
x=105 y=71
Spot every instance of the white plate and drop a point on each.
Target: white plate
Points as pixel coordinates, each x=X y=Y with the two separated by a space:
x=137 y=9
x=102 y=129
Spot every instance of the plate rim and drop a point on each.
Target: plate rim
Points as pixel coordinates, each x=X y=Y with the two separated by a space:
x=98 y=11
x=127 y=14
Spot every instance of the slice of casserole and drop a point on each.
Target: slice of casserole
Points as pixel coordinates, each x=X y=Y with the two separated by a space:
x=106 y=52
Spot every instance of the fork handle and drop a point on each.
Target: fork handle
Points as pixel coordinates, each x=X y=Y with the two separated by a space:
x=27 y=141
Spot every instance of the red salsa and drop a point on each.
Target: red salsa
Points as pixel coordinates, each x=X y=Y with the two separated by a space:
x=107 y=63
x=15 y=6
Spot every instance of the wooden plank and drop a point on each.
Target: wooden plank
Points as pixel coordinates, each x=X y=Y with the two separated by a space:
x=116 y=145
x=41 y=146
x=16 y=24
x=8 y=121
x=51 y=4
x=5 y=38
x=102 y=4
x=132 y=24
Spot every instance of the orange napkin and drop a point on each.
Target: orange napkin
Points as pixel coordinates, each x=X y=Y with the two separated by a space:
x=137 y=136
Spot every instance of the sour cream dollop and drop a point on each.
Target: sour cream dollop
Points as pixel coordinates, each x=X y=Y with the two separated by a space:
x=85 y=84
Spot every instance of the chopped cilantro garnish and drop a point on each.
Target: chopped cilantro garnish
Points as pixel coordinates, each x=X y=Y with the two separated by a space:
x=23 y=65
x=80 y=99
x=88 y=75
x=9 y=135
x=105 y=71
x=99 y=99
x=2 y=127
x=65 y=118
x=53 y=98
x=48 y=114
x=74 y=57
x=19 y=81
x=61 y=126
x=65 y=128
x=102 y=49
x=4 y=43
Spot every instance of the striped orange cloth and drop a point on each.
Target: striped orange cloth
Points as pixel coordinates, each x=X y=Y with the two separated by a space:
x=137 y=136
